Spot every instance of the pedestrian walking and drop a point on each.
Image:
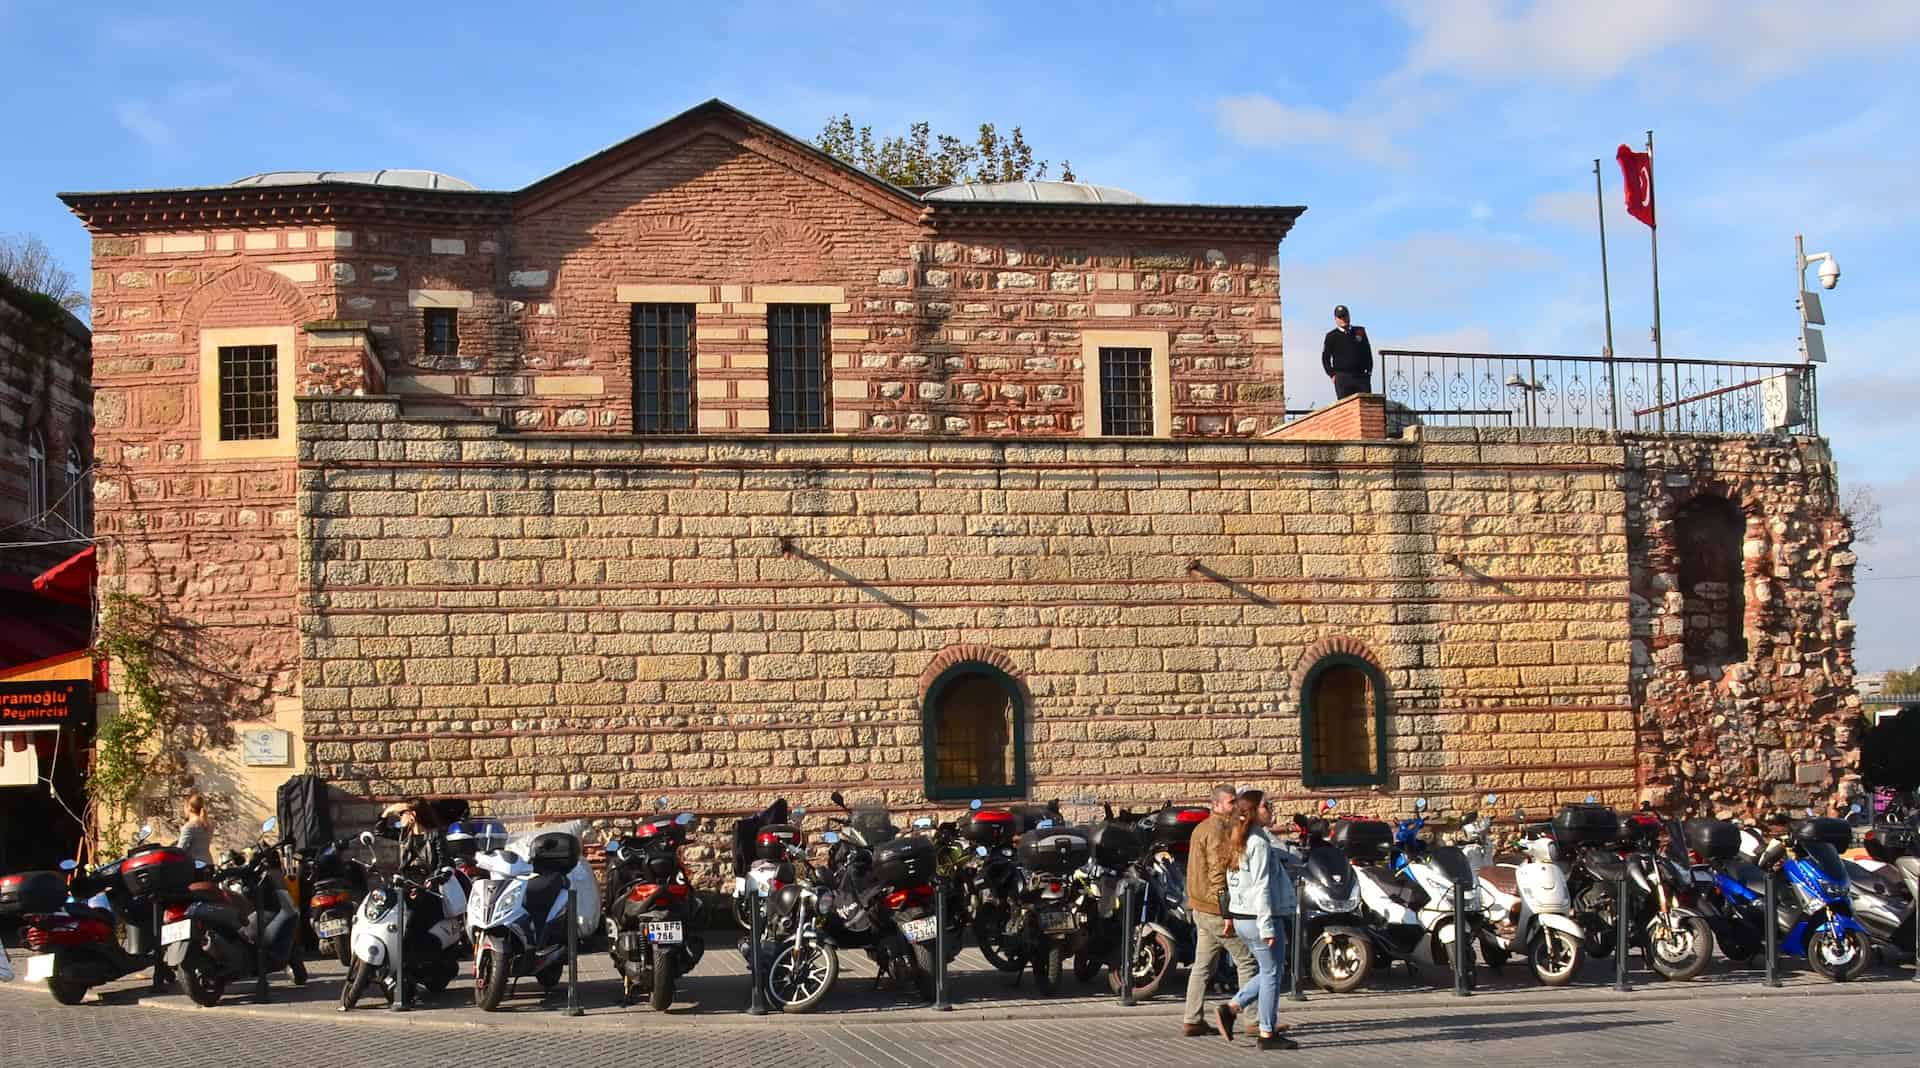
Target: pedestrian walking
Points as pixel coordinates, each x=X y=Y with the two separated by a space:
x=196 y=834
x=1347 y=356
x=1207 y=864
x=1258 y=890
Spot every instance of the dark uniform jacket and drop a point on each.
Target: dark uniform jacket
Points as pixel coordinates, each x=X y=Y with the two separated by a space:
x=1347 y=352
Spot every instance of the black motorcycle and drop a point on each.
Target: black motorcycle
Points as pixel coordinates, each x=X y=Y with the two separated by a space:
x=244 y=926
x=1051 y=910
x=336 y=882
x=1662 y=909
x=651 y=910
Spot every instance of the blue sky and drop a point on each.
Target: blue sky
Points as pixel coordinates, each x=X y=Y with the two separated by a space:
x=1443 y=147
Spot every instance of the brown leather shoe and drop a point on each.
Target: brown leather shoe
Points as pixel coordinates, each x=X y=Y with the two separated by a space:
x=1195 y=1030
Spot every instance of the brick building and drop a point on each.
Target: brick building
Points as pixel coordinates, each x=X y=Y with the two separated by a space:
x=709 y=466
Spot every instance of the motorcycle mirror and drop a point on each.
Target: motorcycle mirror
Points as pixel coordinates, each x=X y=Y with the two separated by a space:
x=613 y=847
x=1492 y=800
x=268 y=826
x=1853 y=809
x=831 y=837
x=1520 y=815
x=1809 y=811
x=1420 y=804
x=839 y=800
x=1593 y=799
x=659 y=803
x=146 y=832
x=974 y=805
x=799 y=812
x=69 y=864
x=683 y=819
x=1329 y=804
x=1043 y=825
x=979 y=851
x=366 y=839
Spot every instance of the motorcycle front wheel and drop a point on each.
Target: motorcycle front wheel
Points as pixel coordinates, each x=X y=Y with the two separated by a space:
x=1680 y=947
x=1840 y=958
x=1339 y=961
x=1556 y=956
x=1153 y=957
x=1085 y=967
x=922 y=963
x=358 y=976
x=67 y=991
x=796 y=982
x=490 y=977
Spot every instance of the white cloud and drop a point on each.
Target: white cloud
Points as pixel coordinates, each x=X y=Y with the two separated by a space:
x=139 y=120
x=1580 y=41
x=1259 y=120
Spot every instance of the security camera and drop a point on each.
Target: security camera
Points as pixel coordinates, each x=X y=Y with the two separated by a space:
x=1829 y=273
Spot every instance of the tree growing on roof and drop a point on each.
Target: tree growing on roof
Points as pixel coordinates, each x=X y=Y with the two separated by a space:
x=922 y=158
x=27 y=262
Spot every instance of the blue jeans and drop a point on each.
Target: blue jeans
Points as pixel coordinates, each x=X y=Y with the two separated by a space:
x=1264 y=986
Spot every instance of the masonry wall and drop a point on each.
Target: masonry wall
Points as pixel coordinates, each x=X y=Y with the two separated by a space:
x=44 y=362
x=575 y=627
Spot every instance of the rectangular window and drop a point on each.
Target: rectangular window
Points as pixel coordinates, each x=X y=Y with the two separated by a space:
x=1126 y=392
x=442 y=327
x=797 y=354
x=662 y=346
x=249 y=392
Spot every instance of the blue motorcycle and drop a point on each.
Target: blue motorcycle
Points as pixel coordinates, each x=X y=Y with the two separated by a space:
x=1817 y=916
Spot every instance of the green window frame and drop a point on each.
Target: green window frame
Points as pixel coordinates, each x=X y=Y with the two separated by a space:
x=1310 y=715
x=1016 y=784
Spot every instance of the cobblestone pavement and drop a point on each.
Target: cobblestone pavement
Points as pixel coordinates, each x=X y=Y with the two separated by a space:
x=1731 y=1020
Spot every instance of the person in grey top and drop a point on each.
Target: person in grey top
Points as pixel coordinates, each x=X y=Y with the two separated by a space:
x=196 y=834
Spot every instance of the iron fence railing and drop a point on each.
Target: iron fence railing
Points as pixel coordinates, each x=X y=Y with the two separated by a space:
x=1623 y=393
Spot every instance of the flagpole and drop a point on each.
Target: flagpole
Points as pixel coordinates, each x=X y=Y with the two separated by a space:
x=1659 y=360
x=1606 y=298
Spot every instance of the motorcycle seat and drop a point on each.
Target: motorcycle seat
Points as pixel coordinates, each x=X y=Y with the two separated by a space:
x=1883 y=882
x=1408 y=894
x=1502 y=878
x=208 y=893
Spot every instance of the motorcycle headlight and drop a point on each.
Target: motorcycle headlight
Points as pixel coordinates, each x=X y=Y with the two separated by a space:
x=379 y=900
x=1319 y=898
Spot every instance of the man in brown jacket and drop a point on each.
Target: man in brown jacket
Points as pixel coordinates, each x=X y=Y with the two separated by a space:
x=1207 y=864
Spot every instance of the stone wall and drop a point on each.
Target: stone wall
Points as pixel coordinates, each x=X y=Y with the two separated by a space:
x=578 y=625
x=44 y=367
x=1775 y=728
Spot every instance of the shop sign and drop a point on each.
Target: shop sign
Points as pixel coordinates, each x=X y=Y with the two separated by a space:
x=43 y=704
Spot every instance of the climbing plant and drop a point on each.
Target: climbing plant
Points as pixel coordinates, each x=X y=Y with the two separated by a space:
x=124 y=755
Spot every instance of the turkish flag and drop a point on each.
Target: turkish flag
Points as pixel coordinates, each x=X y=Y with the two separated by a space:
x=1636 y=169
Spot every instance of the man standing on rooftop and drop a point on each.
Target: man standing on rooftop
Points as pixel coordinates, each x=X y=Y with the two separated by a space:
x=1347 y=356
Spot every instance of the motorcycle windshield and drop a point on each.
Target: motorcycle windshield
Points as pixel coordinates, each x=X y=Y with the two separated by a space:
x=1826 y=860
x=1330 y=868
x=1453 y=864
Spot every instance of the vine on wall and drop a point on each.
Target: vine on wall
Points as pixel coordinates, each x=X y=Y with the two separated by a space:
x=125 y=756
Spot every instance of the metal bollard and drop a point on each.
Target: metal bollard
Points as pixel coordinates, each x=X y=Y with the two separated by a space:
x=940 y=1002
x=573 y=953
x=1129 y=938
x=1620 y=936
x=1773 y=932
x=756 y=933
x=1916 y=942
x=160 y=968
x=261 y=993
x=399 y=969
x=1461 y=947
x=1296 y=950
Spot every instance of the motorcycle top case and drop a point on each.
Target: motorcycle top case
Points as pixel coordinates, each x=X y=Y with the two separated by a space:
x=1363 y=841
x=32 y=893
x=661 y=828
x=903 y=861
x=1115 y=844
x=1585 y=825
x=165 y=870
x=1174 y=826
x=1055 y=850
x=1714 y=840
x=469 y=838
x=553 y=852
x=1835 y=833
x=991 y=827
x=772 y=841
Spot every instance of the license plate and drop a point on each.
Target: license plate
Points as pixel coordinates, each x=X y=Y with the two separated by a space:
x=39 y=967
x=177 y=931
x=665 y=933
x=1056 y=922
x=332 y=928
x=920 y=930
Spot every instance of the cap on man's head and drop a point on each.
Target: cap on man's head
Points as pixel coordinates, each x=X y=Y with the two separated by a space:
x=1340 y=312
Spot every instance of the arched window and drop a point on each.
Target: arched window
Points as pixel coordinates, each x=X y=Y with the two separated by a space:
x=973 y=731
x=36 y=477
x=1343 y=723
x=1707 y=533
x=79 y=496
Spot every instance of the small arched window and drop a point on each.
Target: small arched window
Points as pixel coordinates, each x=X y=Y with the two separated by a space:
x=79 y=493
x=1708 y=533
x=973 y=732
x=1343 y=723
x=36 y=478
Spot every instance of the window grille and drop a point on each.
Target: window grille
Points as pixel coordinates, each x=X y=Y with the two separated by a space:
x=1343 y=709
x=1126 y=392
x=973 y=734
x=36 y=477
x=249 y=392
x=443 y=331
x=662 y=349
x=797 y=355
x=79 y=507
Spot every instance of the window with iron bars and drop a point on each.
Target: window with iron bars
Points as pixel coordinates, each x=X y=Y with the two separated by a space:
x=797 y=354
x=1126 y=392
x=249 y=392
x=442 y=326
x=662 y=348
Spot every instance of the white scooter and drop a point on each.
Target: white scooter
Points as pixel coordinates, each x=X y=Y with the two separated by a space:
x=517 y=916
x=431 y=962
x=1410 y=911
x=1529 y=909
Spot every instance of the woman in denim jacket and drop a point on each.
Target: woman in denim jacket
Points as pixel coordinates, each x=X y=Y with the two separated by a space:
x=1259 y=893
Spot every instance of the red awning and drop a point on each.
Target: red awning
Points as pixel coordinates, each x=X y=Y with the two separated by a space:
x=70 y=581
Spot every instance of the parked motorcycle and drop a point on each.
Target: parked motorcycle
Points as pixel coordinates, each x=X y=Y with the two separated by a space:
x=241 y=925
x=1818 y=915
x=1048 y=911
x=1663 y=909
x=1885 y=887
x=652 y=910
x=1410 y=907
x=431 y=954
x=1529 y=909
x=70 y=917
x=338 y=883
x=517 y=915
x=1335 y=944
x=760 y=859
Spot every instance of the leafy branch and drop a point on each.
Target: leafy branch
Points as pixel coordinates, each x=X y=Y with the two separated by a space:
x=124 y=755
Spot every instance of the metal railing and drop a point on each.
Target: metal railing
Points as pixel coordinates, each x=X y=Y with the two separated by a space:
x=1624 y=393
